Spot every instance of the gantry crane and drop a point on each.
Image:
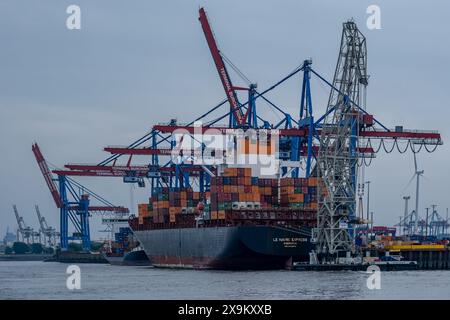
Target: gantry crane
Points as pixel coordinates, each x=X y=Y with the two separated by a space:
x=436 y=224
x=24 y=233
x=73 y=201
x=49 y=234
x=330 y=146
x=237 y=117
x=432 y=225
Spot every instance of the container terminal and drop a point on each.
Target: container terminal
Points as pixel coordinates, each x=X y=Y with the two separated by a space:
x=275 y=194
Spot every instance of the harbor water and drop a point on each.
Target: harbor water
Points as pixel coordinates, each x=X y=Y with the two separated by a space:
x=47 y=280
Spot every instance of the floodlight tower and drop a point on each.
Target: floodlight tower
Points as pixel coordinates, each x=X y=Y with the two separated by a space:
x=405 y=215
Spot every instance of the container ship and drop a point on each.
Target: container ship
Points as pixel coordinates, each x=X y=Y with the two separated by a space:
x=242 y=222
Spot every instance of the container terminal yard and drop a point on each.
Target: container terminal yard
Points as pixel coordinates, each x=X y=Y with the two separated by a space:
x=273 y=194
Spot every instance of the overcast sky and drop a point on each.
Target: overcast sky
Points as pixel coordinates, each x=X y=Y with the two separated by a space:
x=137 y=63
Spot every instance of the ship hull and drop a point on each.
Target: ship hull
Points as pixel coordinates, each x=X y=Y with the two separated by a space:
x=132 y=258
x=237 y=247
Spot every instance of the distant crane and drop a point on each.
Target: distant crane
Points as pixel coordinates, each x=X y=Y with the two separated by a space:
x=437 y=225
x=24 y=233
x=49 y=234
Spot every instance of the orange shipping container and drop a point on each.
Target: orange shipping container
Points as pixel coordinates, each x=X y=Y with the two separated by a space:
x=142 y=210
x=226 y=172
x=296 y=197
x=312 y=182
x=221 y=215
x=314 y=205
x=287 y=190
x=261 y=191
x=164 y=204
x=147 y=214
x=230 y=172
x=140 y=207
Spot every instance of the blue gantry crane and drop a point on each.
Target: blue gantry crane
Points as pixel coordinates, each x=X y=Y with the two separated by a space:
x=73 y=201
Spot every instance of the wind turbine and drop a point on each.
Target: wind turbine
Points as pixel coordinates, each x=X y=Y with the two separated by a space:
x=417 y=174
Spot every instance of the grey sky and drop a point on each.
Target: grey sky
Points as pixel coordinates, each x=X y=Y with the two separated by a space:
x=135 y=64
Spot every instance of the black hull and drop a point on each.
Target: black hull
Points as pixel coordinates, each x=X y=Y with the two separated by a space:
x=230 y=248
x=132 y=258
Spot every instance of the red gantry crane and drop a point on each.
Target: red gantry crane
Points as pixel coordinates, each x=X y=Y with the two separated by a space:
x=238 y=118
x=73 y=201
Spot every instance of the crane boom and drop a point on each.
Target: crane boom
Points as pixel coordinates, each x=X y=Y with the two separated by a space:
x=19 y=219
x=42 y=221
x=47 y=175
x=221 y=69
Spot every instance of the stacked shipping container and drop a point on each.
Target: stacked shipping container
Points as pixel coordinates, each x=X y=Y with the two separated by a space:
x=143 y=212
x=123 y=242
x=166 y=204
x=183 y=201
x=269 y=191
x=299 y=193
x=235 y=189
